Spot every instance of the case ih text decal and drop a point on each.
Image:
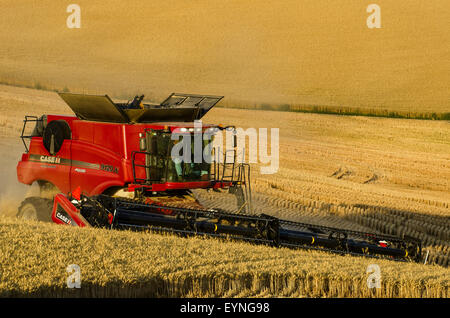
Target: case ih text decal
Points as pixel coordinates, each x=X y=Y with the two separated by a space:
x=68 y=162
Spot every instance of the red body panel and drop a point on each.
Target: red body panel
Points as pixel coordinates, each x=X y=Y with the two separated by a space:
x=33 y=169
x=97 y=157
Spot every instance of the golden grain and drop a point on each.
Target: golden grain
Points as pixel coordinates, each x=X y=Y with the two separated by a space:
x=34 y=257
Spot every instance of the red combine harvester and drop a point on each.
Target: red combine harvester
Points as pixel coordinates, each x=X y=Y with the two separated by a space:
x=112 y=166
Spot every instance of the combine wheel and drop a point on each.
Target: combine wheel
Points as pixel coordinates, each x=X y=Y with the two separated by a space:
x=36 y=208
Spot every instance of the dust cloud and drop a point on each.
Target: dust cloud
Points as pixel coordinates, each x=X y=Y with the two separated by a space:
x=11 y=191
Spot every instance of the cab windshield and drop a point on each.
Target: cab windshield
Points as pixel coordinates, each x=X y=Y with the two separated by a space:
x=188 y=171
x=164 y=168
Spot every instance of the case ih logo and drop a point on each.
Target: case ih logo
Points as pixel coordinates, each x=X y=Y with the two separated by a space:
x=50 y=159
x=63 y=218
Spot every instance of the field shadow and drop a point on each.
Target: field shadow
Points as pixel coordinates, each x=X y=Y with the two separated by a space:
x=432 y=230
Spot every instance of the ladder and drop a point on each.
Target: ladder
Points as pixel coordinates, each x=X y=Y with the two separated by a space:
x=237 y=175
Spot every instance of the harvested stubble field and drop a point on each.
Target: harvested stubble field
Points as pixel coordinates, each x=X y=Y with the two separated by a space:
x=378 y=174
x=34 y=257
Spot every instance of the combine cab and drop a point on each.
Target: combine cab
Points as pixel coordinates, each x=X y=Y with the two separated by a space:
x=112 y=167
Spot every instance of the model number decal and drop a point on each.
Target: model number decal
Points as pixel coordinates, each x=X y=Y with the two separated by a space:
x=109 y=168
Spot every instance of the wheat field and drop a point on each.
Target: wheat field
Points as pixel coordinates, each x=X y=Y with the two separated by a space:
x=371 y=174
x=34 y=257
x=385 y=175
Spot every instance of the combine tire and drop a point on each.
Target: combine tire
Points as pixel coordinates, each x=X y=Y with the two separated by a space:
x=36 y=208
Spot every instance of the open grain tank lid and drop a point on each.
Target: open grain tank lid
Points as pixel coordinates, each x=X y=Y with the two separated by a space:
x=177 y=107
x=96 y=108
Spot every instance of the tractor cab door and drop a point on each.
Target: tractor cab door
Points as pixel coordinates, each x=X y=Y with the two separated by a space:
x=157 y=156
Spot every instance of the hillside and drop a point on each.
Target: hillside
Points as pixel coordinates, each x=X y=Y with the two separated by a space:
x=293 y=51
